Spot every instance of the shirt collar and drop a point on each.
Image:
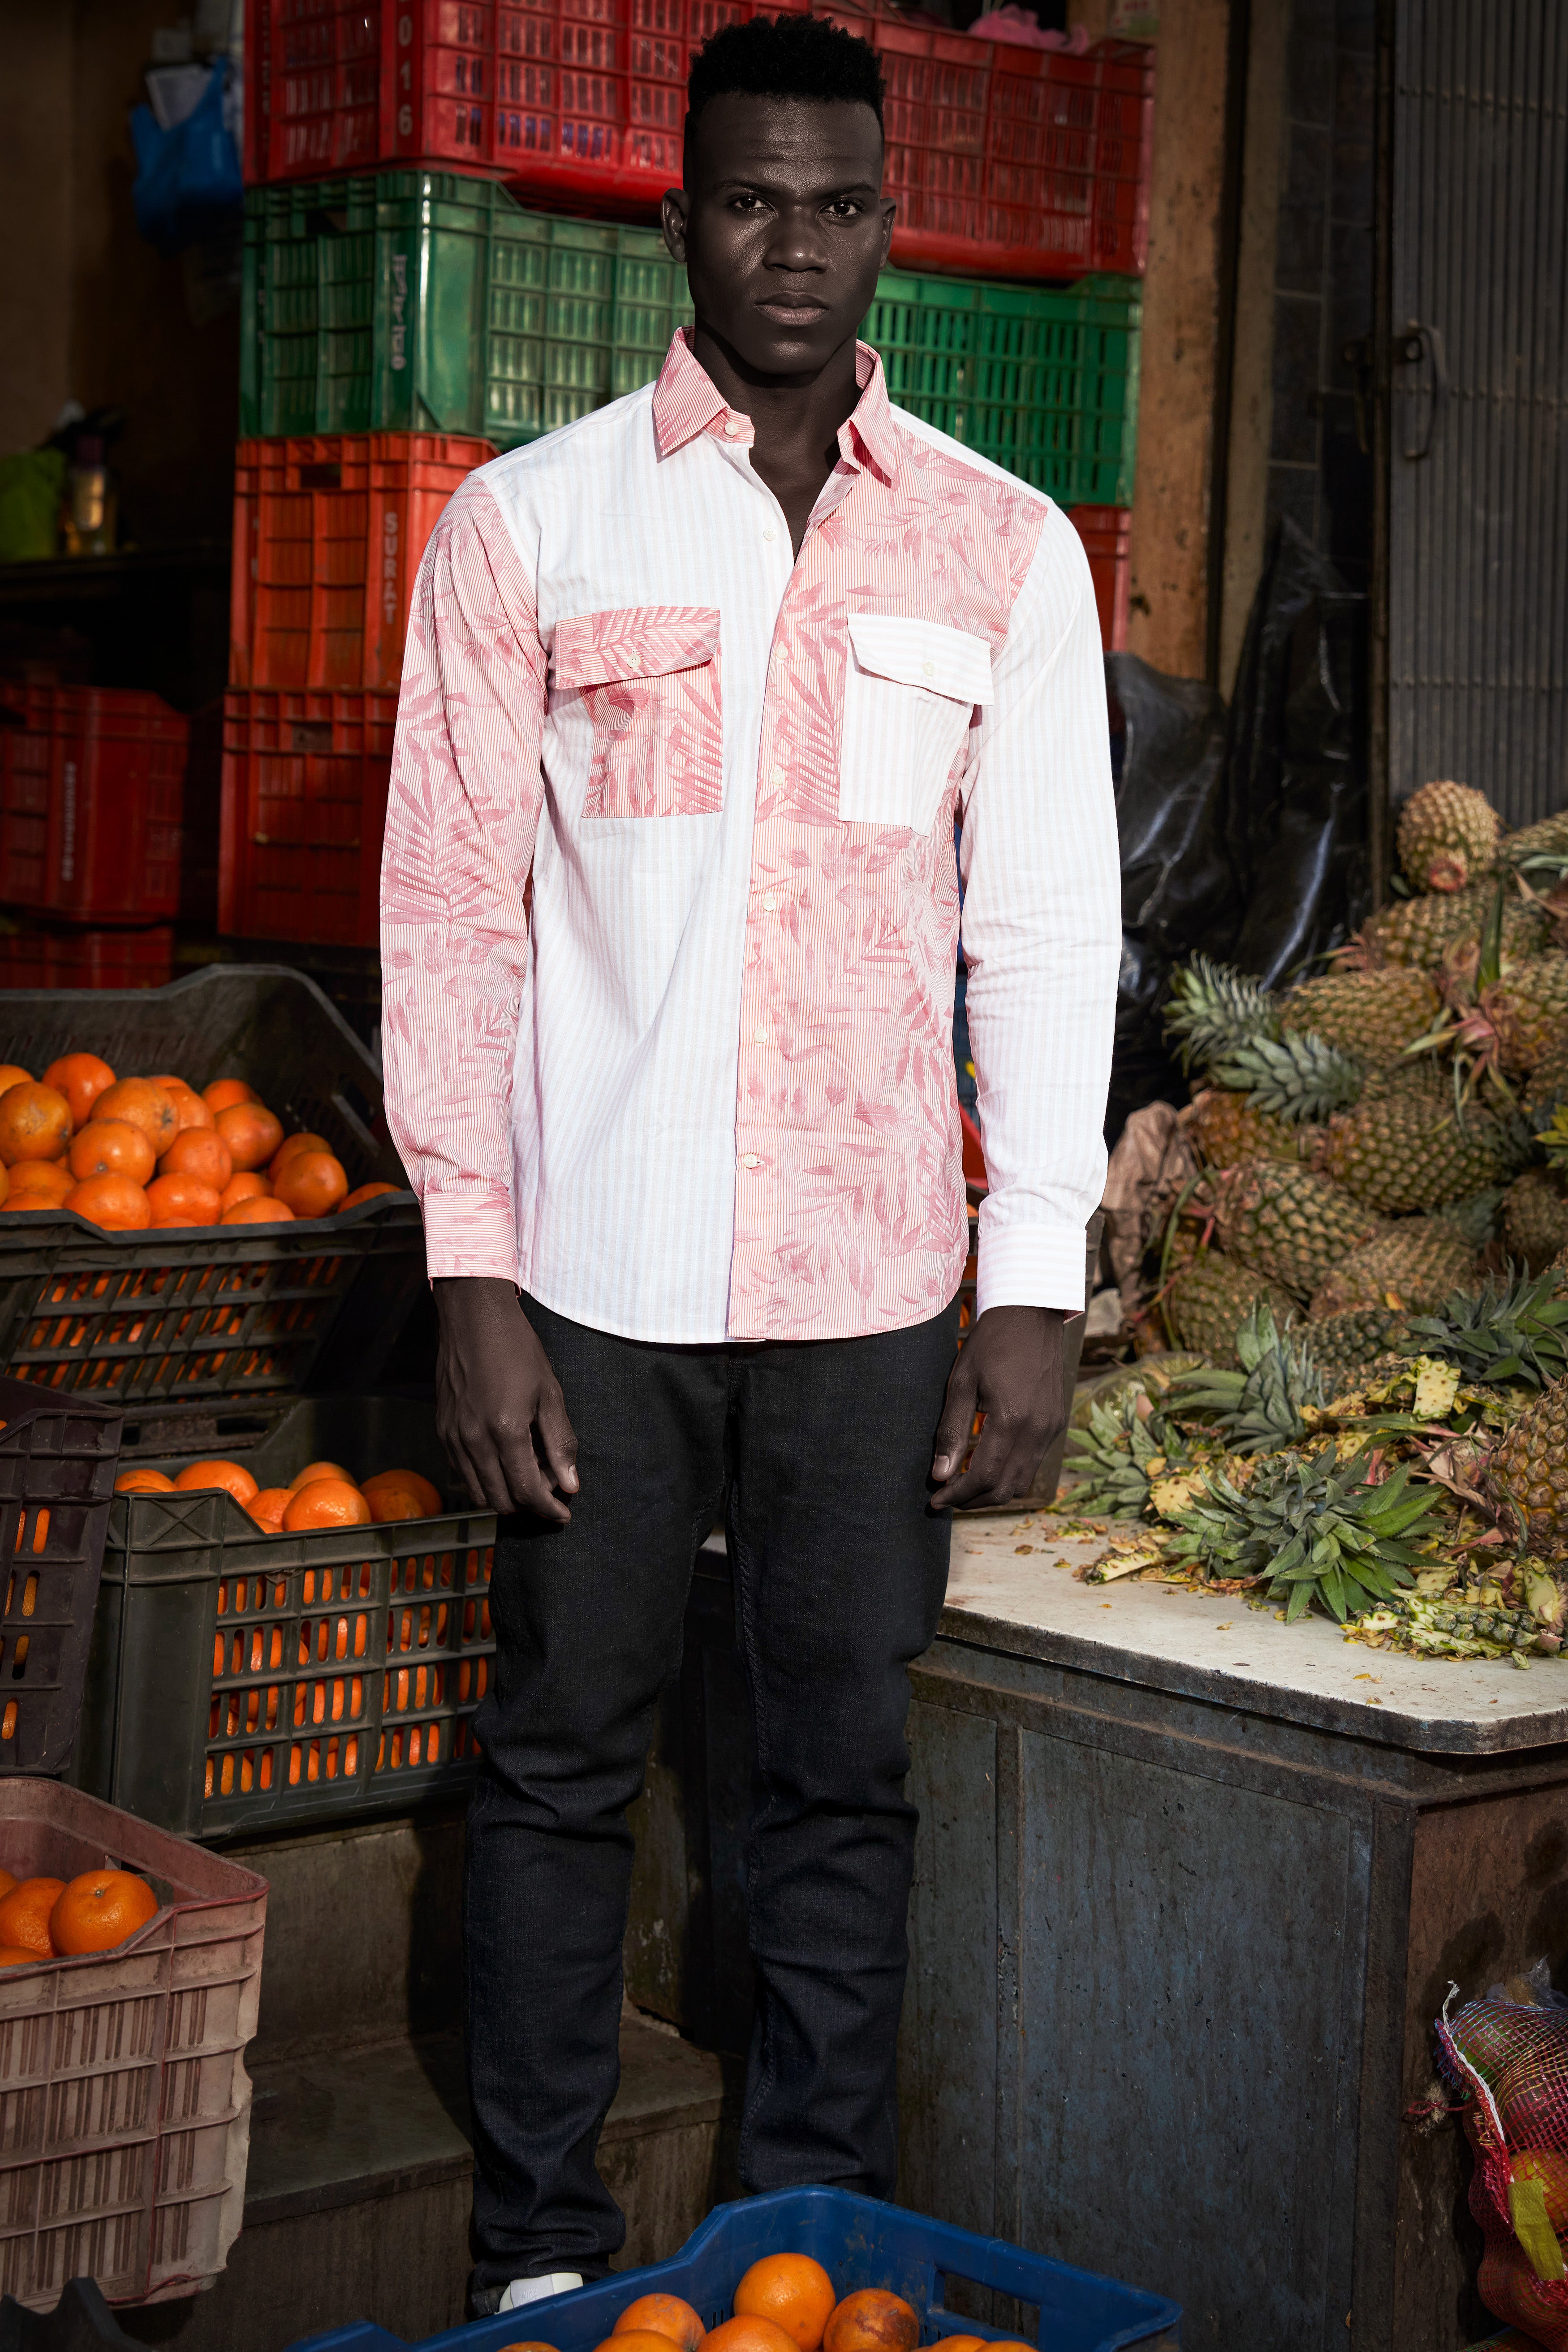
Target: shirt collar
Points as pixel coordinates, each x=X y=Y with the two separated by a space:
x=687 y=402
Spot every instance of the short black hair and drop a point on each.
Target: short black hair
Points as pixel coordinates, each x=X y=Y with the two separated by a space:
x=784 y=57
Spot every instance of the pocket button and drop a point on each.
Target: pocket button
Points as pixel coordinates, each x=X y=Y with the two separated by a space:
x=929 y=668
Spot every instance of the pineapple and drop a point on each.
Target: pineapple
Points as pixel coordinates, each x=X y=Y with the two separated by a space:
x=1528 y=1007
x=1526 y=1473
x=1297 y=1078
x=1373 y=1015
x=1548 y=1082
x=1289 y=1223
x=1479 y=1218
x=1534 y=1219
x=1415 y=931
x=1546 y=838
x=1343 y=1344
x=1413 y=1264
x=1210 y=1299
x=1447 y=837
x=1408 y=1151
x=1227 y=1128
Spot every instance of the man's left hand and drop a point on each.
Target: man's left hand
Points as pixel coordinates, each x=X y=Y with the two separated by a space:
x=1009 y=1369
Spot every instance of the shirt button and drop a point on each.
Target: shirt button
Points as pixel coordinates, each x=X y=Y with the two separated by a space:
x=759 y=1036
x=929 y=668
x=750 y=1159
x=770 y=532
x=731 y=428
x=770 y=904
x=779 y=777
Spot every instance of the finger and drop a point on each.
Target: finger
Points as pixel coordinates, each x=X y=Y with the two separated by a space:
x=557 y=1439
x=494 y=1484
x=957 y=1418
x=979 y=1482
x=527 y=1479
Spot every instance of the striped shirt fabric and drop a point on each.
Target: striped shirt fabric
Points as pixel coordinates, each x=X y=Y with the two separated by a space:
x=670 y=906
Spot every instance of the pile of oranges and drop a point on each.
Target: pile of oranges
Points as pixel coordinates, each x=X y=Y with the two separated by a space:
x=134 y=1153
x=46 y=1919
x=786 y=2302
x=325 y=1495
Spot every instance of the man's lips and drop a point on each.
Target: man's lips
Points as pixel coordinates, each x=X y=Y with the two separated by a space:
x=794 y=314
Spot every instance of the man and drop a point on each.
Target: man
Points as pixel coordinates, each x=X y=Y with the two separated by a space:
x=711 y=670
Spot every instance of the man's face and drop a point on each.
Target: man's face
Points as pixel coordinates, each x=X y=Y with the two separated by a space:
x=783 y=227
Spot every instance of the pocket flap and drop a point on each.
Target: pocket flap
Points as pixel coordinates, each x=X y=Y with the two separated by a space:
x=644 y=641
x=923 y=653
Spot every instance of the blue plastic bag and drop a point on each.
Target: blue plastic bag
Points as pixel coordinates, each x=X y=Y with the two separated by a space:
x=187 y=178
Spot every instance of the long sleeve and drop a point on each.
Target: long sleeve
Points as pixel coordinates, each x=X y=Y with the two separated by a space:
x=462 y=813
x=1042 y=932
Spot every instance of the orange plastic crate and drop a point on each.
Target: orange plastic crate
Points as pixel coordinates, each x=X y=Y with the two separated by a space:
x=1017 y=162
x=92 y=784
x=329 y=530
x=88 y=958
x=305 y=780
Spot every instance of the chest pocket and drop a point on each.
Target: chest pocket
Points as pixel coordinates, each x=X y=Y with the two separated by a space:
x=649 y=676
x=909 y=690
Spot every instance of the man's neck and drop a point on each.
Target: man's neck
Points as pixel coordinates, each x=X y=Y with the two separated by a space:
x=795 y=420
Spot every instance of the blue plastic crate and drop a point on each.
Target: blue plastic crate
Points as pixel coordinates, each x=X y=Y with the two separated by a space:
x=859 y=2243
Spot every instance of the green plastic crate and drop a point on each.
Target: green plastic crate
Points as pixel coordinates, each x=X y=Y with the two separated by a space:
x=1042 y=382
x=406 y=302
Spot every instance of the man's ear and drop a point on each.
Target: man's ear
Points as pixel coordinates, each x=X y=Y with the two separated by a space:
x=889 y=218
x=675 y=211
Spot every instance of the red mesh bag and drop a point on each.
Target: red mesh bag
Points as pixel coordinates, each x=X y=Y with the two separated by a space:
x=1512 y=2061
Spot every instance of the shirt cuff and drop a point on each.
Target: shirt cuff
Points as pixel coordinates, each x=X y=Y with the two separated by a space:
x=1031 y=1265
x=470 y=1233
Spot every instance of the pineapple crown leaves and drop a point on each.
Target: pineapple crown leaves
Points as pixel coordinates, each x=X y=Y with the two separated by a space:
x=1262 y=1407
x=1125 y=1443
x=1213 y=1009
x=1553 y=1141
x=1299 y=1075
x=1316 y=1528
x=1509 y=1331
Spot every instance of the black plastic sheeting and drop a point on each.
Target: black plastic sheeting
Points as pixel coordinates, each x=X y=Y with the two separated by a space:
x=1243 y=835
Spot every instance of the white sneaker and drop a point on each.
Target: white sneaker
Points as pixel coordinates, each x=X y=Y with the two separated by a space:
x=534 y=2290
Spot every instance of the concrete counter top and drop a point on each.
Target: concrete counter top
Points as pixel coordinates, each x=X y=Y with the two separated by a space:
x=1011 y=1588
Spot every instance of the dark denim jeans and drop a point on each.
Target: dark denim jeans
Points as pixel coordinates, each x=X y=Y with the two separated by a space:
x=819 y=1451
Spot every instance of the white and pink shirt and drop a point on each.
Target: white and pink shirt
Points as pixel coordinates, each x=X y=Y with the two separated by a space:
x=670 y=906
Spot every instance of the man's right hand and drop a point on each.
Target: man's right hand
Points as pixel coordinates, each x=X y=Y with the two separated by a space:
x=500 y=1412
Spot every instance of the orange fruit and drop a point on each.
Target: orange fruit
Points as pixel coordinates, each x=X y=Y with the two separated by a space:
x=426 y=1499
x=144 y=1482
x=792 y=2290
x=661 y=2315
x=24 y=1916
x=302 y=1141
x=112 y=1147
x=315 y=1470
x=197 y=1151
x=528 y=2347
x=747 y=2335
x=961 y=2344
x=250 y=1131
x=365 y=1193
x=267 y=1508
x=243 y=1187
x=232 y=1476
x=145 y=1105
x=7 y=1880
x=223 y=1092
x=183 y=1201
x=638 y=2339
x=100 y=1910
x=81 y=1078
x=189 y=1108
x=326 y=1503
x=312 y=1182
x=38 y=1184
x=35 y=1123
x=260 y=1209
x=872 y=2320
x=115 y=1203
x=12 y=1956
x=12 y=1074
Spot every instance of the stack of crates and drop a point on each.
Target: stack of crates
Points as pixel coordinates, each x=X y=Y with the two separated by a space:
x=91 y=804
x=417 y=296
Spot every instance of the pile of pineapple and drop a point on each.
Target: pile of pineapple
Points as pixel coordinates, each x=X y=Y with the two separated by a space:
x=1369 y=1279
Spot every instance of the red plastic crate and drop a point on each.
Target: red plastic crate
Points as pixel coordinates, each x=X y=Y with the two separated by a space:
x=1107 y=535
x=91 y=793
x=88 y=958
x=328 y=533
x=1019 y=161
x=304 y=804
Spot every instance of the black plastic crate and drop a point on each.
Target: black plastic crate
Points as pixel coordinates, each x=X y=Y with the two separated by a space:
x=224 y=1310
x=241 y=1681
x=58 y=1465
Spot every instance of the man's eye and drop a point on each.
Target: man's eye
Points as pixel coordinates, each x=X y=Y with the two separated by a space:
x=844 y=207
x=749 y=201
